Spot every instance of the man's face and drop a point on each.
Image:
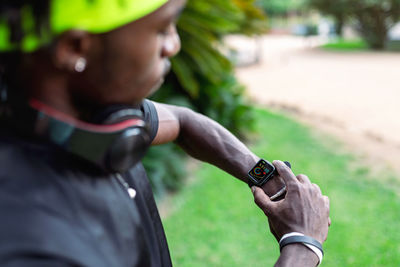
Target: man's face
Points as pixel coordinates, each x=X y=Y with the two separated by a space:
x=130 y=62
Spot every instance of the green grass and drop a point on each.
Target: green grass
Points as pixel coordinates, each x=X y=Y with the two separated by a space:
x=214 y=221
x=346 y=45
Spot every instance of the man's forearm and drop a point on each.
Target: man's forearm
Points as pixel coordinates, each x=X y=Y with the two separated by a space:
x=206 y=140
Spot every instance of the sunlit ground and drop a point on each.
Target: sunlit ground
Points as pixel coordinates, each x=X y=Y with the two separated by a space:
x=351 y=94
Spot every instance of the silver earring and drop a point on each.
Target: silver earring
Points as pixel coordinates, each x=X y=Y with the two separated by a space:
x=80 y=65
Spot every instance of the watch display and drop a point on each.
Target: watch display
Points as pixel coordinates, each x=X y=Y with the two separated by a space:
x=261 y=172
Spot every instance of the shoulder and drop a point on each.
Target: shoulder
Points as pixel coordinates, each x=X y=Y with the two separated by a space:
x=24 y=161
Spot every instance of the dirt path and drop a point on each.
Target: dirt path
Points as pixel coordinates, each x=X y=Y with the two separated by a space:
x=354 y=96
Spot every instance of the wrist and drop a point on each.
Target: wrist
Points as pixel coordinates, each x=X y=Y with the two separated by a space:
x=274 y=186
x=247 y=164
x=298 y=238
x=263 y=174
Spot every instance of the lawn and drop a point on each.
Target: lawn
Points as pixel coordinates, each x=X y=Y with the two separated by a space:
x=346 y=45
x=213 y=221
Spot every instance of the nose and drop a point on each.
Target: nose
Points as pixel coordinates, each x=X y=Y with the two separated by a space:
x=172 y=44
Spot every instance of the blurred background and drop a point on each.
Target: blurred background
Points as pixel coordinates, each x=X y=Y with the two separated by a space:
x=315 y=82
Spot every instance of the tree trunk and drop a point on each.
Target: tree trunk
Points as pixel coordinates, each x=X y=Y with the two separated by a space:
x=339 y=19
x=373 y=27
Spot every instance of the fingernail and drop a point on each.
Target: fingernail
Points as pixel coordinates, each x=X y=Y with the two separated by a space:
x=253 y=189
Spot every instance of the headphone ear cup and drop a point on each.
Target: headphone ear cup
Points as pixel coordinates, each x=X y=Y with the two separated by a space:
x=131 y=145
x=128 y=149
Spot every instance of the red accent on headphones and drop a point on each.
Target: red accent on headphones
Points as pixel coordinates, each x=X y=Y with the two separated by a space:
x=100 y=128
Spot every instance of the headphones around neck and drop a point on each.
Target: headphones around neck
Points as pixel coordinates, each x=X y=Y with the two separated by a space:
x=115 y=143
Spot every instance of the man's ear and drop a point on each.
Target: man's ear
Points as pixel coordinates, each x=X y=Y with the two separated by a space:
x=71 y=50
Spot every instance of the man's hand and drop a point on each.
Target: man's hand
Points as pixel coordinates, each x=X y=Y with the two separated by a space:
x=304 y=209
x=274 y=185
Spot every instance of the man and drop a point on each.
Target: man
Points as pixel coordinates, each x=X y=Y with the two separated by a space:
x=75 y=123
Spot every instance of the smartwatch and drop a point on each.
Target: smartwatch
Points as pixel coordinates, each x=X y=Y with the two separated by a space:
x=262 y=172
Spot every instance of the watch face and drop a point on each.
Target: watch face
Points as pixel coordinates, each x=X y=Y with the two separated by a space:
x=263 y=169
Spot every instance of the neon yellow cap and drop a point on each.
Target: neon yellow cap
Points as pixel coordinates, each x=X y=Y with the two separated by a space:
x=95 y=16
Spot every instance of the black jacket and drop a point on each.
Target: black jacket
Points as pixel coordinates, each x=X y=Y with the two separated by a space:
x=59 y=211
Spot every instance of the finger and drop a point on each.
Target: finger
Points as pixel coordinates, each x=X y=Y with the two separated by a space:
x=329 y=221
x=273 y=186
x=262 y=200
x=303 y=179
x=317 y=188
x=327 y=202
x=286 y=173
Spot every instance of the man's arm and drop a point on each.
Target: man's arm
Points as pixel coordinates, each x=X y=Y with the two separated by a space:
x=206 y=140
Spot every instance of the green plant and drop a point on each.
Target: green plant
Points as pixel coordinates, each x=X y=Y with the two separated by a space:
x=202 y=77
x=164 y=164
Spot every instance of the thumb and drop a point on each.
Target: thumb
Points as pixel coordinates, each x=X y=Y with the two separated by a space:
x=262 y=200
